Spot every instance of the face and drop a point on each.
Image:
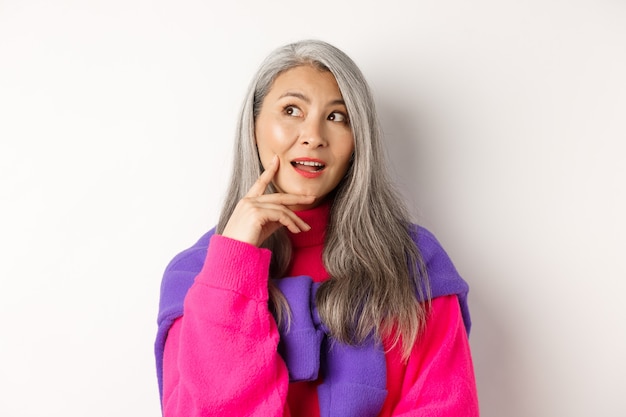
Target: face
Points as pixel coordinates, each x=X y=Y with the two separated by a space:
x=304 y=121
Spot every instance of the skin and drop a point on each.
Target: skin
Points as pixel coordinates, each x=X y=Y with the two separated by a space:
x=302 y=117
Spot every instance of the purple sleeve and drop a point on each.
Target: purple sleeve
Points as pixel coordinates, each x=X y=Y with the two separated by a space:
x=177 y=279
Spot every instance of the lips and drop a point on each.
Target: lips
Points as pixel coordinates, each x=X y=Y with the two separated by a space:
x=308 y=167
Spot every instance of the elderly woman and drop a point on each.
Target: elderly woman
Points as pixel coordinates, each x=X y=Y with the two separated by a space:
x=315 y=295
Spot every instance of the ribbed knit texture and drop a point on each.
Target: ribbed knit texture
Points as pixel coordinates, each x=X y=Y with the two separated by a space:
x=438 y=379
x=308 y=246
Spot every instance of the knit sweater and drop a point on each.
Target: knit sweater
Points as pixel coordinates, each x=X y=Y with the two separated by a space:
x=222 y=354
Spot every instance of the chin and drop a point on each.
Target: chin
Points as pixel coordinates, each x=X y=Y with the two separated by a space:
x=298 y=190
x=310 y=191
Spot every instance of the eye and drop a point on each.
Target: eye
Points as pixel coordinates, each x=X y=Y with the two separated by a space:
x=338 y=117
x=292 y=110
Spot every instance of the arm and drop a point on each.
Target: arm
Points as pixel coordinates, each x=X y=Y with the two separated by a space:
x=220 y=357
x=439 y=378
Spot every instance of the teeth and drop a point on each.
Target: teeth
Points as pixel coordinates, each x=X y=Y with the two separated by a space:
x=310 y=163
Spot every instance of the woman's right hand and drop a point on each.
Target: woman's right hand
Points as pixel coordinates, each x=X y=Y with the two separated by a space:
x=258 y=215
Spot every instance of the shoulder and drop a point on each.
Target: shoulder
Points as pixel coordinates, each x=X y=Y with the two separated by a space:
x=426 y=242
x=190 y=257
x=443 y=276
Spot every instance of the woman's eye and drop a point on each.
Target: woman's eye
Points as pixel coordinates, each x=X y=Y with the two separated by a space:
x=337 y=117
x=292 y=111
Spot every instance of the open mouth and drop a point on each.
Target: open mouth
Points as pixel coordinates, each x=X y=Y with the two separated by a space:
x=308 y=166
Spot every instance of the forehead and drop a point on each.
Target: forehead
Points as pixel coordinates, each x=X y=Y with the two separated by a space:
x=306 y=78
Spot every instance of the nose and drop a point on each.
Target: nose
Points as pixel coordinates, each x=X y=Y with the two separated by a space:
x=312 y=134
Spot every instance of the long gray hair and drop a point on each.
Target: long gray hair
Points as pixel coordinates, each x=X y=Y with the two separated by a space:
x=376 y=270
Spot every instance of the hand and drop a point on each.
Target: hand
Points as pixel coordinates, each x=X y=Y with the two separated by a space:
x=258 y=215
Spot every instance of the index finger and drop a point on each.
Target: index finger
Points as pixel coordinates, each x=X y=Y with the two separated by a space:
x=265 y=179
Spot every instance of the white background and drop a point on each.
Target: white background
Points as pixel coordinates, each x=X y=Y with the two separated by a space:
x=506 y=128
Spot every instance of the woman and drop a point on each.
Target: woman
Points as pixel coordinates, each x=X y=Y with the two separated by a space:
x=315 y=295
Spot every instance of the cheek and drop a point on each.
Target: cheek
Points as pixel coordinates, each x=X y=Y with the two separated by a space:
x=263 y=137
x=271 y=137
x=347 y=150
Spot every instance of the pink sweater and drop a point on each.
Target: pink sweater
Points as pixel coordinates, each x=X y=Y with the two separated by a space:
x=221 y=356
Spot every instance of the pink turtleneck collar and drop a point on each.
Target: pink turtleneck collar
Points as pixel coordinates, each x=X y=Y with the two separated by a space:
x=317 y=218
x=308 y=246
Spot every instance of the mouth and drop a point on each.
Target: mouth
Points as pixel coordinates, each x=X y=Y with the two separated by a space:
x=308 y=167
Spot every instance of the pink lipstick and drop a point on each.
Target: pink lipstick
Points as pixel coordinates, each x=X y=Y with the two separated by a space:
x=308 y=167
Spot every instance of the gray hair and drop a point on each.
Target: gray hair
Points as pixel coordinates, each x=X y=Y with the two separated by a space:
x=376 y=270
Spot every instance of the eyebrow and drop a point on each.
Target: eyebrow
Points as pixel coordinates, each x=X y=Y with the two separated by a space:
x=308 y=100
